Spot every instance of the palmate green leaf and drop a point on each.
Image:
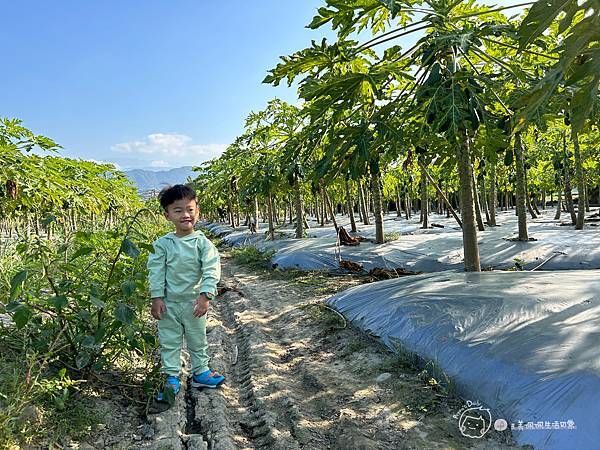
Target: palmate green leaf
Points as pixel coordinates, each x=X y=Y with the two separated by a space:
x=325 y=15
x=570 y=10
x=128 y=288
x=587 y=66
x=347 y=16
x=82 y=251
x=532 y=101
x=130 y=249
x=97 y=302
x=58 y=302
x=88 y=342
x=21 y=316
x=539 y=18
x=578 y=49
x=124 y=314
x=578 y=38
x=313 y=59
x=16 y=284
x=82 y=359
x=583 y=102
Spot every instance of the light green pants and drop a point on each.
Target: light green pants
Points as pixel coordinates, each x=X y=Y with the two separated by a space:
x=179 y=321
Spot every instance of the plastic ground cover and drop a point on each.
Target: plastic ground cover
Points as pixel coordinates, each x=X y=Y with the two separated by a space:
x=436 y=249
x=525 y=344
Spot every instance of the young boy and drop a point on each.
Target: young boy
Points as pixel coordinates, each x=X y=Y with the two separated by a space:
x=183 y=272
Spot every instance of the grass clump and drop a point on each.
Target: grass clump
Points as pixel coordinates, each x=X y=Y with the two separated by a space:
x=253 y=257
x=391 y=236
x=39 y=403
x=327 y=316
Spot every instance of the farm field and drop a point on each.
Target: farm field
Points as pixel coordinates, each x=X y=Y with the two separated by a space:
x=410 y=247
x=390 y=237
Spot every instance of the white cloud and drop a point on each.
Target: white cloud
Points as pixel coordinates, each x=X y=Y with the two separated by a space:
x=159 y=163
x=170 y=145
x=99 y=161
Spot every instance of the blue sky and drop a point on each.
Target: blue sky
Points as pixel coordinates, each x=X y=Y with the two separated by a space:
x=145 y=83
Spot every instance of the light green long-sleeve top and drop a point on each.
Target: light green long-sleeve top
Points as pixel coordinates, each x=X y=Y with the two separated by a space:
x=182 y=267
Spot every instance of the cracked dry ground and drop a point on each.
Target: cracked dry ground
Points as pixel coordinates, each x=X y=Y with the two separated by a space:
x=297 y=379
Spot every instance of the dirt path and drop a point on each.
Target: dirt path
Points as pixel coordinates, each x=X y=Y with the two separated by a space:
x=297 y=379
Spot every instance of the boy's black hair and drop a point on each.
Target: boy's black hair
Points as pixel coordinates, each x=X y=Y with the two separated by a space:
x=171 y=194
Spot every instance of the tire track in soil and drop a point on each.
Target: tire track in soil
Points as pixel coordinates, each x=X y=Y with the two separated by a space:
x=233 y=416
x=263 y=427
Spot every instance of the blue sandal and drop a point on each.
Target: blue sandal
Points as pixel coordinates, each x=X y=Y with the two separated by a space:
x=173 y=384
x=208 y=379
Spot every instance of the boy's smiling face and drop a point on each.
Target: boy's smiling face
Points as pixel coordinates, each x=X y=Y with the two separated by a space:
x=183 y=214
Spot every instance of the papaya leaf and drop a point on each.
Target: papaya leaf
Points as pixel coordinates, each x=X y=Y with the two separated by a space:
x=22 y=315
x=124 y=314
x=16 y=284
x=130 y=249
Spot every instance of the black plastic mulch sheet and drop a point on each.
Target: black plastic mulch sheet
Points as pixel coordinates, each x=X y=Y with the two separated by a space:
x=524 y=344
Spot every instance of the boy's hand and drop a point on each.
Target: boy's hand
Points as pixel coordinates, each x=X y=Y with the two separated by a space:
x=158 y=307
x=201 y=306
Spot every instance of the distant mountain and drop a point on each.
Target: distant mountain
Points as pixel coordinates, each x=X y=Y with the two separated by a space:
x=146 y=180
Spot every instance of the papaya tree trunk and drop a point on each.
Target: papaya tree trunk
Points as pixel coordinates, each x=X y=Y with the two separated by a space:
x=330 y=209
x=36 y=224
x=230 y=213
x=440 y=200
x=568 y=195
x=580 y=181
x=493 y=203
x=256 y=212
x=270 y=216
x=544 y=199
x=276 y=211
x=527 y=196
x=520 y=188
x=534 y=202
x=465 y=174
x=323 y=208
x=363 y=206
x=444 y=197
x=424 y=199
x=299 y=211
x=476 y=204
x=587 y=198
x=350 y=206
x=558 y=205
x=378 y=207
x=360 y=208
x=483 y=198
x=285 y=209
x=406 y=204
